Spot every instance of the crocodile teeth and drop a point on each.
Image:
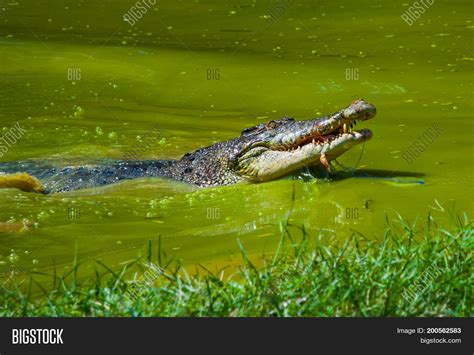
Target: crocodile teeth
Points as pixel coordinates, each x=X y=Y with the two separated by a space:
x=313 y=141
x=344 y=128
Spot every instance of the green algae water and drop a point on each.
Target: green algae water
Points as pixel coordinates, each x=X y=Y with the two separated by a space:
x=85 y=85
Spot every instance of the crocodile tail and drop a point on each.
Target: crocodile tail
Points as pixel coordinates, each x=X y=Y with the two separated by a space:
x=46 y=179
x=16 y=167
x=23 y=175
x=75 y=178
x=22 y=181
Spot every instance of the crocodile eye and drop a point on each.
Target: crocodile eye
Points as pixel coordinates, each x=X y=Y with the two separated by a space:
x=253 y=130
x=272 y=124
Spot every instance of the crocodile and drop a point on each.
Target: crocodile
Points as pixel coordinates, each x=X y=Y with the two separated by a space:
x=265 y=152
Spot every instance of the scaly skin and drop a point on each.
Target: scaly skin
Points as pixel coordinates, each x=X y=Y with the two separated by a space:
x=261 y=153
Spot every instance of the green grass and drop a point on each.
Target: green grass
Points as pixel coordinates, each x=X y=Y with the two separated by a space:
x=362 y=277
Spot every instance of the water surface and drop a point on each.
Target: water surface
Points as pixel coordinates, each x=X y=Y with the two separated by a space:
x=87 y=85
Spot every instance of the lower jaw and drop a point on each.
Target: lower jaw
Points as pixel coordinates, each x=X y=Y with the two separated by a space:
x=310 y=158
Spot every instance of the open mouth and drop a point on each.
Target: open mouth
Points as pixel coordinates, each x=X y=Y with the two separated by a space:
x=343 y=132
x=345 y=129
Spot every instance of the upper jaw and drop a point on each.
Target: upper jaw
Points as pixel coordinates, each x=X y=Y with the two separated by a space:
x=359 y=110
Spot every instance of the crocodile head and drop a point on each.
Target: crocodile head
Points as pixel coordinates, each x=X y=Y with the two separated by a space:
x=284 y=146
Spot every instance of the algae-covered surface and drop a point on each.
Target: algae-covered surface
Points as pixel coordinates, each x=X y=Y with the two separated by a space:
x=85 y=85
